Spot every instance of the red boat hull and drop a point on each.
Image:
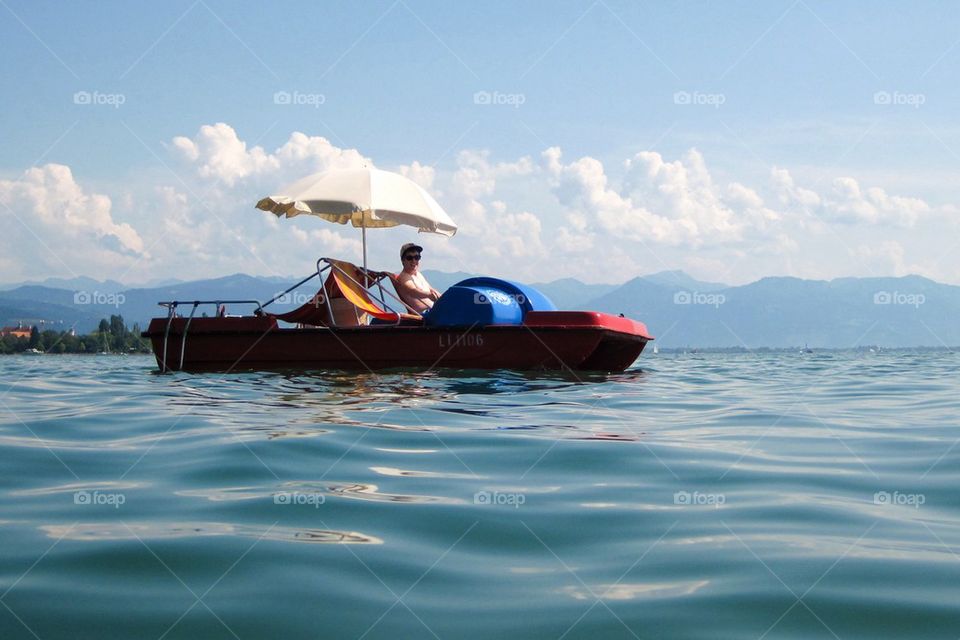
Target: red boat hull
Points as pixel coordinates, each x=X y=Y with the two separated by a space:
x=547 y=340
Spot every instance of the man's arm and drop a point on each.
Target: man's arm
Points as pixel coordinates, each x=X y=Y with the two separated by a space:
x=411 y=289
x=434 y=294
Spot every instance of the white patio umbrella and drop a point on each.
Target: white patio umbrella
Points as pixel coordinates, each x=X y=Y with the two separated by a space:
x=367 y=198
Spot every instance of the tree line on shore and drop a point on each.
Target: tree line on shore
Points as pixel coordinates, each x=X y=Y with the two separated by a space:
x=111 y=336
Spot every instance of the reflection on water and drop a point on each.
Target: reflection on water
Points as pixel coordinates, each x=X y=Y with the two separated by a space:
x=155 y=531
x=634 y=591
x=412 y=473
x=358 y=491
x=80 y=486
x=370 y=492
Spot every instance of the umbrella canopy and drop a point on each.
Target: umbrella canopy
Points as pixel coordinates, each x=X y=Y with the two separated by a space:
x=367 y=198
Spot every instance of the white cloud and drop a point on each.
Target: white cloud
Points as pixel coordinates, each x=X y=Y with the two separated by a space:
x=308 y=154
x=669 y=203
x=183 y=230
x=888 y=257
x=492 y=234
x=51 y=195
x=423 y=175
x=514 y=236
x=222 y=156
x=572 y=242
x=327 y=243
x=873 y=206
x=848 y=203
x=61 y=224
x=660 y=204
x=533 y=220
x=789 y=194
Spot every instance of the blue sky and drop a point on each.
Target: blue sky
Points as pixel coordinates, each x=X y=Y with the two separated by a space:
x=815 y=139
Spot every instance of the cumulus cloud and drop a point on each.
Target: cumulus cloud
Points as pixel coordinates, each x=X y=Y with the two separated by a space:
x=182 y=228
x=658 y=202
x=569 y=241
x=532 y=218
x=874 y=205
x=327 y=242
x=492 y=232
x=671 y=203
x=789 y=194
x=222 y=155
x=678 y=203
x=888 y=257
x=59 y=221
x=219 y=154
x=846 y=202
x=50 y=195
x=423 y=175
x=514 y=235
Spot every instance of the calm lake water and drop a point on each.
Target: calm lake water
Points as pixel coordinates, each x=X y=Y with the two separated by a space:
x=694 y=496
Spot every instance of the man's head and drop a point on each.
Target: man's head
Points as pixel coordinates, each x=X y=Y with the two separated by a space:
x=410 y=256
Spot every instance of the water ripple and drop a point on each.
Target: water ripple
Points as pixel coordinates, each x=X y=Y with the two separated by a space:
x=153 y=531
x=694 y=496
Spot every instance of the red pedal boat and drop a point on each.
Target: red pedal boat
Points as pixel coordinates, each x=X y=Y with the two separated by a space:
x=479 y=323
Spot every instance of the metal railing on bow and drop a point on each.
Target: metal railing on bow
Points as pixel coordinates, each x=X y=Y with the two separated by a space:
x=371 y=279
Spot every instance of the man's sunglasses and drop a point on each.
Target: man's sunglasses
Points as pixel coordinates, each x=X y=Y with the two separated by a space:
x=411 y=256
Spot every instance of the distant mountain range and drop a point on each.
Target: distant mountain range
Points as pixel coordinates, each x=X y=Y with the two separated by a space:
x=679 y=310
x=83 y=283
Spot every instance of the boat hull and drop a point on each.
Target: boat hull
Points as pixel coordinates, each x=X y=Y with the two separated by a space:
x=547 y=340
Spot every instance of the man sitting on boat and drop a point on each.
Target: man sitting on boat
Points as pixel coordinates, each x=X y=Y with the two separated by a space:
x=413 y=286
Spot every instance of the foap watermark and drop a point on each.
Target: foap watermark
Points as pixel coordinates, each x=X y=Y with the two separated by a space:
x=497 y=498
x=884 y=498
x=97 y=297
x=899 y=298
x=299 y=298
x=698 y=499
x=97 y=498
x=298 y=99
x=312 y=498
x=699 y=98
x=897 y=98
x=498 y=297
x=96 y=98
x=696 y=297
x=496 y=98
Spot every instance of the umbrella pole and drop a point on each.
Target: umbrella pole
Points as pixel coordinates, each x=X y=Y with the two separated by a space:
x=363 y=233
